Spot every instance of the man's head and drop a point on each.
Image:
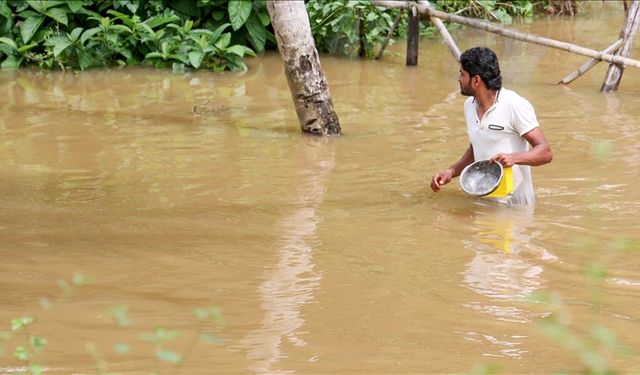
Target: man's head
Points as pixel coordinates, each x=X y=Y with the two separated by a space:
x=481 y=62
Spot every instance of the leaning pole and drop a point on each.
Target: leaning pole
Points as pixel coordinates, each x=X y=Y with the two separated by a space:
x=302 y=68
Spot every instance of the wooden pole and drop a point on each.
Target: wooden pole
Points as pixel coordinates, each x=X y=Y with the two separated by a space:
x=628 y=33
x=393 y=29
x=589 y=64
x=362 y=32
x=413 y=36
x=510 y=33
x=437 y=22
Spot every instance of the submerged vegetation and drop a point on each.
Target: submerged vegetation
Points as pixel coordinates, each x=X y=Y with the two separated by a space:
x=205 y=34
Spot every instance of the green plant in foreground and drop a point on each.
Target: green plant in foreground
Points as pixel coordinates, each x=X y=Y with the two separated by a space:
x=598 y=345
x=31 y=345
x=22 y=329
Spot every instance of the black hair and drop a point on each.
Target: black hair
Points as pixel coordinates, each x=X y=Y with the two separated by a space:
x=483 y=62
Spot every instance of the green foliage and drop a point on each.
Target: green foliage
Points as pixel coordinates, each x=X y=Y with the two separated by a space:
x=492 y=10
x=596 y=345
x=337 y=25
x=30 y=345
x=83 y=34
x=204 y=34
x=352 y=27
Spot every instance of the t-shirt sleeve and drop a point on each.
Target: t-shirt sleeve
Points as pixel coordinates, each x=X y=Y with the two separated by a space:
x=523 y=116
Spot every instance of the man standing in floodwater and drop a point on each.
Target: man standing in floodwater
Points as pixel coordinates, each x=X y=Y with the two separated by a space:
x=502 y=126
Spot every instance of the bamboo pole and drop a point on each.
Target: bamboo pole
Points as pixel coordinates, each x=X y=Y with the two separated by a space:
x=393 y=29
x=437 y=22
x=589 y=64
x=628 y=33
x=510 y=33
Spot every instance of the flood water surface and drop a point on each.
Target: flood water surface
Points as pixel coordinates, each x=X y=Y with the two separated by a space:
x=173 y=192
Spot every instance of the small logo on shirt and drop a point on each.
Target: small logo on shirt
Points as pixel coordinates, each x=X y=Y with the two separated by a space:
x=495 y=127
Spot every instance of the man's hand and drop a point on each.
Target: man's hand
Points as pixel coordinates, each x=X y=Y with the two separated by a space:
x=441 y=178
x=507 y=160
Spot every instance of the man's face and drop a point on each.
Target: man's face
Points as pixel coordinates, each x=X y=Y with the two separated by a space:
x=464 y=80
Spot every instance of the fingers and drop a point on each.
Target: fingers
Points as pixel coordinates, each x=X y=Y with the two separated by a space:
x=435 y=184
x=438 y=180
x=504 y=159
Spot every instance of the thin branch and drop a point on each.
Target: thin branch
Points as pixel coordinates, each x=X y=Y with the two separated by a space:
x=589 y=64
x=391 y=31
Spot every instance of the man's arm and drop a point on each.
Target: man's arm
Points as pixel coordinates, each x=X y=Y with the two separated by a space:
x=540 y=152
x=442 y=178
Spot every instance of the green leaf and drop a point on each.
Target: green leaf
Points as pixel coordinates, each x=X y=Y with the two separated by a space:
x=11 y=62
x=120 y=314
x=257 y=33
x=218 y=32
x=74 y=5
x=264 y=18
x=195 y=58
x=36 y=369
x=42 y=5
x=168 y=356
x=8 y=41
x=75 y=34
x=217 y=15
x=7 y=50
x=146 y=28
x=89 y=33
x=224 y=40
x=84 y=61
x=18 y=324
x=22 y=354
x=188 y=7
x=236 y=50
x=64 y=44
x=29 y=27
x=122 y=17
x=121 y=28
x=154 y=22
x=154 y=55
x=239 y=11
x=38 y=343
x=58 y=14
x=5 y=11
x=38 y=5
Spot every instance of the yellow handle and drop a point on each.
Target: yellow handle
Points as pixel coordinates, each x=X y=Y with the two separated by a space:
x=506 y=184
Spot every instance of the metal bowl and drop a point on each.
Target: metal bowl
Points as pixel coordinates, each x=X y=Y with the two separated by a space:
x=481 y=177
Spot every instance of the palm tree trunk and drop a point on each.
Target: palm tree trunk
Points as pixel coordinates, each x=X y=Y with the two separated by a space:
x=306 y=80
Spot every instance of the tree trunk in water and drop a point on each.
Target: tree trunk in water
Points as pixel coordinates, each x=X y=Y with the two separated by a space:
x=628 y=33
x=306 y=80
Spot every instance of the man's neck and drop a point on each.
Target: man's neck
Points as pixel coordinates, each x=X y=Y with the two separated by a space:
x=486 y=98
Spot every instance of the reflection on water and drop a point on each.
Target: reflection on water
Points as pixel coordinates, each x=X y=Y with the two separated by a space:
x=506 y=267
x=292 y=281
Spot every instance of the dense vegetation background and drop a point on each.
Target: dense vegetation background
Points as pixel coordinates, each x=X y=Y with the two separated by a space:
x=203 y=34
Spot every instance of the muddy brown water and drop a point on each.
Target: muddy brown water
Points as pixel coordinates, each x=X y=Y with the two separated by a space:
x=177 y=191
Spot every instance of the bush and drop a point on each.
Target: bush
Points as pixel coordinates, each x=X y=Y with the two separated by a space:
x=82 y=34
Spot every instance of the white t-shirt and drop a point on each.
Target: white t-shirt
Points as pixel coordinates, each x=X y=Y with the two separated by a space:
x=500 y=131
